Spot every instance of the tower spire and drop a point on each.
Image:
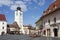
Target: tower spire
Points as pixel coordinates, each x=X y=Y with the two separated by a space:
x=18 y=8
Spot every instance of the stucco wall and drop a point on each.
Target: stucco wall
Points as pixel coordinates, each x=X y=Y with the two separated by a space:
x=51 y=18
x=3 y=24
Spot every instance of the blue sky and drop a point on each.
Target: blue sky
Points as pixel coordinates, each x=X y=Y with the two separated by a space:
x=32 y=9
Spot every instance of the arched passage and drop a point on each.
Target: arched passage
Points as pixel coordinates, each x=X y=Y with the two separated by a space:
x=55 y=32
x=2 y=33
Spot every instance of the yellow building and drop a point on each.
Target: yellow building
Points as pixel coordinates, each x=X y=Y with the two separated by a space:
x=39 y=26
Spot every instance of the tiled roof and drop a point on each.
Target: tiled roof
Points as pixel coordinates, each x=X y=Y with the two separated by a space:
x=2 y=17
x=14 y=25
x=52 y=6
x=55 y=4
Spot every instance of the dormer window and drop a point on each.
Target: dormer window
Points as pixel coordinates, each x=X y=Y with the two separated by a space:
x=54 y=7
x=44 y=13
x=49 y=11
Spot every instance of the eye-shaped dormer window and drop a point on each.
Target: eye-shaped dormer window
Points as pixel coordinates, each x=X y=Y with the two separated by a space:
x=54 y=7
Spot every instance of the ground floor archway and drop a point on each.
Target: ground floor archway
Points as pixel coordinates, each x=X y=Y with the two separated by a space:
x=55 y=32
x=2 y=33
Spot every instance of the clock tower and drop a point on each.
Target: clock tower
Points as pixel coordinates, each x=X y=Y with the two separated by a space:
x=19 y=18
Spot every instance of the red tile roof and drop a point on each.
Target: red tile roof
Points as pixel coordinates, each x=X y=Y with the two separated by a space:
x=51 y=8
x=2 y=17
x=14 y=25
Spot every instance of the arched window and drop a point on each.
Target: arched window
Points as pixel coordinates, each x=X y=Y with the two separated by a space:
x=2 y=27
x=54 y=19
x=49 y=21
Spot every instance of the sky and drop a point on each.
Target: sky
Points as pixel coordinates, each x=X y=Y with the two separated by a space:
x=32 y=9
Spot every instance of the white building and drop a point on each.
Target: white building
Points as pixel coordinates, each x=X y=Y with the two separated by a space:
x=3 y=24
x=19 y=18
x=51 y=20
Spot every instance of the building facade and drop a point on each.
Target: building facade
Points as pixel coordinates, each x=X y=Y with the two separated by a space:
x=13 y=28
x=51 y=20
x=3 y=24
x=39 y=26
x=27 y=29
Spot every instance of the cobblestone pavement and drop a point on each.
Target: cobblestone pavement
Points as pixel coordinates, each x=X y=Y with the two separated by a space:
x=25 y=37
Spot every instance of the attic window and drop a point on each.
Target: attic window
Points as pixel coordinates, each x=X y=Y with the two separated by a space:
x=49 y=11
x=44 y=13
x=54 y=7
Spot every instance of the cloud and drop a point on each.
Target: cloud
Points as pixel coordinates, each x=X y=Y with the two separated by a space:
x=27 y=0
x=35 y=1
x=14 y=4
x=34 y=17
x=5 y=2
x=19 y=4
x=41 y=2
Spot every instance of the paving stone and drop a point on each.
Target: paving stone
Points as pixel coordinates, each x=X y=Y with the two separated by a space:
x=26 y=37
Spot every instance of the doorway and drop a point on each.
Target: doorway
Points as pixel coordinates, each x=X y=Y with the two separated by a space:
x=2 y=33
x=55 y=32
x=48 y=32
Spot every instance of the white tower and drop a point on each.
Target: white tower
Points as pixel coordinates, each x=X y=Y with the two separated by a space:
x=19 y=18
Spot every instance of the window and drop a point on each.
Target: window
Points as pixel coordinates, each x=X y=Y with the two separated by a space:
x=44 y=22
x=2 y=27
x=55 y=20
x=3 y=22
x=49 y=11
x=49 y=21
x=54 y=7
x=44 y=32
